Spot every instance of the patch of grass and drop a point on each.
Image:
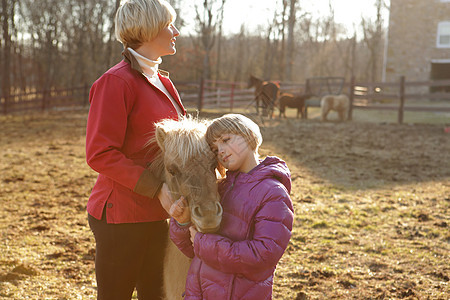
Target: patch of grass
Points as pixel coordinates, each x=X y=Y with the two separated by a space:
x=320 y=225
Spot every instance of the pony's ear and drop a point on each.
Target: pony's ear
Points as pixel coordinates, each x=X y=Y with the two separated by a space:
x=160 y=136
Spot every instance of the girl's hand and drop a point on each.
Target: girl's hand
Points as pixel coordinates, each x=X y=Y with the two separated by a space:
x=193 y=232
x=180 y=211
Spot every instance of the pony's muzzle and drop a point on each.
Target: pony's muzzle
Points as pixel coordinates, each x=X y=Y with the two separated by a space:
x=199 y=212
x=207 y=219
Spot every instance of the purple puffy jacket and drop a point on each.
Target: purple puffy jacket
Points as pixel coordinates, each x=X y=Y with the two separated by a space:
x=239 y=261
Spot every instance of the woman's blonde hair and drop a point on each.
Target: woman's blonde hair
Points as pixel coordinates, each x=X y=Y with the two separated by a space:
x=139 y=21
x=235 y=124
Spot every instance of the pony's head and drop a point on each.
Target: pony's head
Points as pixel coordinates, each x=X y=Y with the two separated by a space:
x=190 y=169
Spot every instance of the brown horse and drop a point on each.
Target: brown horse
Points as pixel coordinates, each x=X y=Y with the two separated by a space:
x=293 y=101
x=266 y=94
x=187 y=165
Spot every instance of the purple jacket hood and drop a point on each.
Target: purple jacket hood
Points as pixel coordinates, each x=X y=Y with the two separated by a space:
x=270 y=167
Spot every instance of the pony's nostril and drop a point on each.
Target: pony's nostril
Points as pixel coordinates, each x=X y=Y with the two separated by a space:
x=197 y=212
x=219 y=209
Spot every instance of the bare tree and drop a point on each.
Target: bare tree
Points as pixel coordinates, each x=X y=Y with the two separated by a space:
x=7 y=21
x=207 y=23
x=111 y=45
x=66 y=43
x=219 y=42
x=44 y=27
x=290 y=41
x=318 y=34
x=346 y=50
x=373 y=32
x=282 y=64
x=240 y=40
x=270 y=48
x=180 y=21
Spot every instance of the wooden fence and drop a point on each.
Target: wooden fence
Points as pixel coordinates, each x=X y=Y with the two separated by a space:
x=52 y=99
x=398 y=96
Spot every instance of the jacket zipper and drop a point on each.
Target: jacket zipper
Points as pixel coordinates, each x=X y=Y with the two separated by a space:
x=231 y=188
x=231 y=289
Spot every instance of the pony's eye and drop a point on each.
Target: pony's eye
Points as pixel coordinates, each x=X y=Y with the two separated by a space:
x=172 y=170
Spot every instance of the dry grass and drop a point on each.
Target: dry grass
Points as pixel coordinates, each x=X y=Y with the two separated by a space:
x=372 y=209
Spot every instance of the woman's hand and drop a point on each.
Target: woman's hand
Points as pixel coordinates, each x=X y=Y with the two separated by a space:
x=180 y=211
x=193 y=232
x=165 y=198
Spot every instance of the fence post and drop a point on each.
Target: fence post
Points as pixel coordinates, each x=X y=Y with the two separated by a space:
x=402 y=99
x=352 y=96
x=200 y=94
x=233 y=85
x=307 y=91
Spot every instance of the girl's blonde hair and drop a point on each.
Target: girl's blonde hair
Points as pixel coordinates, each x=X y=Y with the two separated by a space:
x=235 y=124
x=139 y=21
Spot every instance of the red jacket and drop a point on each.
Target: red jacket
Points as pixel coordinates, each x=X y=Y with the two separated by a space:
x=124 y=108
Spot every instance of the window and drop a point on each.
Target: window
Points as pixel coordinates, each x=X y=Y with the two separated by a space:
x=443 y=35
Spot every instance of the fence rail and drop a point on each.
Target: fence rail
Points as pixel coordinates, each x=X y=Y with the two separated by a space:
x=45 y=100
x=394 y=96
x=233 y=95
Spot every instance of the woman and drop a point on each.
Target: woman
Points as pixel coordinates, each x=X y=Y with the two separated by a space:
x=127 y=206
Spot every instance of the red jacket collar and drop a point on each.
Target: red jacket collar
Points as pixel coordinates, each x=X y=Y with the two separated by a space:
x=163 y=75
x=129 y=58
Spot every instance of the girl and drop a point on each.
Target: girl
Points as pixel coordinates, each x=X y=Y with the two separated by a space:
x=238 y=262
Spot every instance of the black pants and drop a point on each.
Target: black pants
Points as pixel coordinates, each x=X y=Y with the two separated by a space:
x=129 y=256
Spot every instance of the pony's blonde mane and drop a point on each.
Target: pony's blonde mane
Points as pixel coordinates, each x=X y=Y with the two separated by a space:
x=184 y=138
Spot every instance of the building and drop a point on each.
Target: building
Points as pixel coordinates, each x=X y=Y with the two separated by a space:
x=418 y=40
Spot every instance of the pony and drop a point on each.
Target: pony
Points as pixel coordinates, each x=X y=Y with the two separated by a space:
x=187 y=165
x=339 y=103
x=293 y=101
x=266 y=93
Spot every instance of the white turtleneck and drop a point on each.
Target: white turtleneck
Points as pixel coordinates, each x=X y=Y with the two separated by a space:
x=150 y=70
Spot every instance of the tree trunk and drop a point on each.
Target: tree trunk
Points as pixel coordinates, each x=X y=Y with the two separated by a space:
x=6 y=65
x=111 y=44
x=219 y=44
x=267 y=57
x=290 y=41
x=282 y=66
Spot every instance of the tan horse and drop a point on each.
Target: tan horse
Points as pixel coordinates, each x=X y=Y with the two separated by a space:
x=189 y=168
x=339 y=103
x=266 y=94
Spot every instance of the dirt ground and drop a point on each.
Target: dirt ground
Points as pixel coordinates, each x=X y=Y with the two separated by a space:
x=371 y=201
